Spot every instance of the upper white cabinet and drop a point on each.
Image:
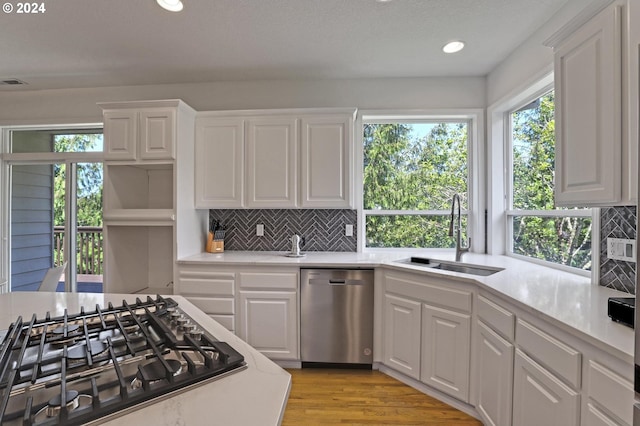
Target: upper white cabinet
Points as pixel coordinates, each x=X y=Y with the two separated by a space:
x=148 y=176
x=271 y=162
x=144 y=133
x=591 y=166
x=275 y=159
x=326 y=161
x=219 y=162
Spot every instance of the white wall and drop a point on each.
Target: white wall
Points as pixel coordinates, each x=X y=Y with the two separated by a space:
x=532 y=59
x=79 y=105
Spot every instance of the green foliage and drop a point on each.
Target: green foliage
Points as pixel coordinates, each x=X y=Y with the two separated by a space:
x=403 y=171
x=564 y=240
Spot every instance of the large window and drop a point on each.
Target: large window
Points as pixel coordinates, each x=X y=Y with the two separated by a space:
x=412 y=169
x=535 y=228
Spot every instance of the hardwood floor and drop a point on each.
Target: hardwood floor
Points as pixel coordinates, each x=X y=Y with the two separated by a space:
x=322 y=397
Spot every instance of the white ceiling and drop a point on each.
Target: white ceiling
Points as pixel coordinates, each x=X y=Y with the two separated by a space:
x=86 y=43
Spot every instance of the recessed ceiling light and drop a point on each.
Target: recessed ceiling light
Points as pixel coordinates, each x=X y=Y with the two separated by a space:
x=453 y=46
x=171 y=5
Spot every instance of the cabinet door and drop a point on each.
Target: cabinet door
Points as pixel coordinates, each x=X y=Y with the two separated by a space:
x=326 y=162
x=402 y=335
x=157 y=134
x=271 y=161
x=268 y=322
x=446 y=350
x=120 y=133
x=494 y=377
x=540 y=398
x=219 y=162
x=588 y=123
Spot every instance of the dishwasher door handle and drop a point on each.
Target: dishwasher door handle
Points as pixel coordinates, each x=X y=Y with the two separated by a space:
x=337 y=282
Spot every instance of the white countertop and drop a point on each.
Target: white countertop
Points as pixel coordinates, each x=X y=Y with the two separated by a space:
x=568 y=301
x=254 y=396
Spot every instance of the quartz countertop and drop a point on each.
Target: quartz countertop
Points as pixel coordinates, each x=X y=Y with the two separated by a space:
x=568 y=301
x=254 y=396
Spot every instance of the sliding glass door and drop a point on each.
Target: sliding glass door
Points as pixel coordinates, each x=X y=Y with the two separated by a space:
x=55 y=187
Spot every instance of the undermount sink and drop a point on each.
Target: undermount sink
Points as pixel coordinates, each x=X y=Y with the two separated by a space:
x=463 y=268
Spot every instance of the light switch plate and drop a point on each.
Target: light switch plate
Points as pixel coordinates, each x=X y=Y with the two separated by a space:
x=260 y=230
x=621 y=249
x=348 y=230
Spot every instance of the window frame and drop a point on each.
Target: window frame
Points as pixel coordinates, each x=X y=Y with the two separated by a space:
x=538 y=90
x=475 y=119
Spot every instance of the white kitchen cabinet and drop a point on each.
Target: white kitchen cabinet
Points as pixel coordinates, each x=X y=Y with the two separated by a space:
x=326 y=172
x=210 y=290
x=268 y=322
x=272 y=150
x=148 y=176
x=540 y=398
x=268 y=311
x=120 y=134
x=220 y=162
x=143 y=133
x=494 y=376
x=495 y=350
x=590 y=168
x=402 y=324
x=609 y=396
x=446 y=351
x=295 y=158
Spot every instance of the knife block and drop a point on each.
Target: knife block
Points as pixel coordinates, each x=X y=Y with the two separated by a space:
x=214 y=246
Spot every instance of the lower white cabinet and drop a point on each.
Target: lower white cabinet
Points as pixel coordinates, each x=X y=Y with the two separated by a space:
x=540 y=398
x=446 y=351
x=213 y=292
x=610 y=396
x=402 y=335
x=494 y=377
x=268 y=322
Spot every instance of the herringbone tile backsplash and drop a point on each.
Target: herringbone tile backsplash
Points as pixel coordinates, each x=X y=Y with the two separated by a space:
x=322 y=229
x=617 y=222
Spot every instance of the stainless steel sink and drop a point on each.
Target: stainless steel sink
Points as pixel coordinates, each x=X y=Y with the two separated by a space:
x=463 y=268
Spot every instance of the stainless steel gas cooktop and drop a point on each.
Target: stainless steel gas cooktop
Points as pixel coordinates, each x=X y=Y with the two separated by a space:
x=91 y=366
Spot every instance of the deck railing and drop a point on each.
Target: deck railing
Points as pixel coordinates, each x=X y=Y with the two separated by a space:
x=89 y=246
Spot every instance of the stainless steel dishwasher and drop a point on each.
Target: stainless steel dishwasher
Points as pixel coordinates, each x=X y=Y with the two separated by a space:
x=336 y=316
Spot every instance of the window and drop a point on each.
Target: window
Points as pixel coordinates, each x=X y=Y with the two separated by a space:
x=535 y=228
x=412 y=169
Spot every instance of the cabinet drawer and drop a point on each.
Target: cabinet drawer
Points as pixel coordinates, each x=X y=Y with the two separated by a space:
x=207 y=287
x=498 y=318
x=227 y=321
x=552 y=353
x=611 y=391
x=279 y=280
x=213 y=305
x=432 y=293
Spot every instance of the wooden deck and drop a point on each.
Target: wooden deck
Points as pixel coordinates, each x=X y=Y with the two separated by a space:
x=363 y=397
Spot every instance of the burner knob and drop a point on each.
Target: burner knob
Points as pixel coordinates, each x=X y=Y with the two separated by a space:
x=196 y=334
x=182 y=321
x=188 y=327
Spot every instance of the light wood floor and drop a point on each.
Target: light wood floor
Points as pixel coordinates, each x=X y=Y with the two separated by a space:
x=321 y=397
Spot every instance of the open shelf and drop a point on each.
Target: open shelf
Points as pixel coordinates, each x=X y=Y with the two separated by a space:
x=139 y=257
x=138 y=187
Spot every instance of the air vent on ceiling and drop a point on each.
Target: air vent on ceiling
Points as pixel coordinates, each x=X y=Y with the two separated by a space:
x=11 y=81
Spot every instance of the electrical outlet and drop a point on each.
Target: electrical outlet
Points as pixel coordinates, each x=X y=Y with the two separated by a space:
x=260 y=230
x=621 y=249
x=348 y=230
